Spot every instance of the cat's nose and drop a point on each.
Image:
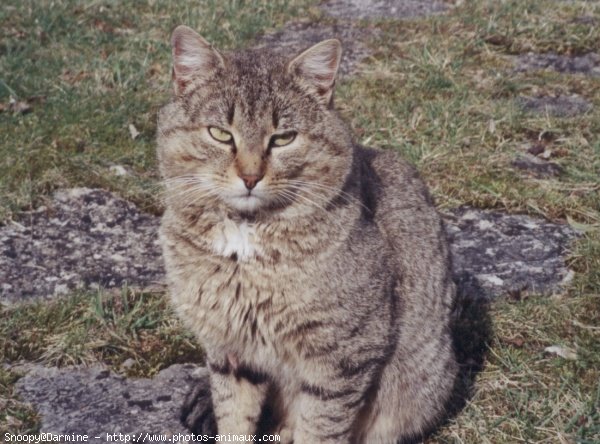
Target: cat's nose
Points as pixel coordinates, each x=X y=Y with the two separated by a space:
x=250 y=180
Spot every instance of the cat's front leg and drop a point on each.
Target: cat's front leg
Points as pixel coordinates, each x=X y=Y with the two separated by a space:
x=326 y=411
x=238 y=394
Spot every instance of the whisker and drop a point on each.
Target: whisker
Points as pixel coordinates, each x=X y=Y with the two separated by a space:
x=339 y=193
x=208 y=194
x=289 y=192
x=198 y=190
x=179 y=195
x=321 y=186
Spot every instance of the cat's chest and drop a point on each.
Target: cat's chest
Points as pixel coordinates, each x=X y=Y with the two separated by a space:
x=237 y=240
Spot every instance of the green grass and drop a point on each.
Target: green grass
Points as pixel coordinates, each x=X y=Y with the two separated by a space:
x=92 y=327
x=441 y=90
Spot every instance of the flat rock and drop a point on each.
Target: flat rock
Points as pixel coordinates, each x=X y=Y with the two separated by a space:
x=382 y=9
x=587 y=64
x=297 y=36
x=500 y=253
x=89 y=238
x=560 y=106
x=97 y=402
x=84 y=238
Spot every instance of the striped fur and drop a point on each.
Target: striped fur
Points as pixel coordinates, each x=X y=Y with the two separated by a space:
x=326 y=293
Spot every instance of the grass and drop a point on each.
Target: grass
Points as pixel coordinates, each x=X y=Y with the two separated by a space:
x=441 y=90
x=132 y=331
x=94 y=69
x=108 y=327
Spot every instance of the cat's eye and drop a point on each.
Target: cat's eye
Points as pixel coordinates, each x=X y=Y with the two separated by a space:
x=283 y=139
x=220 y=135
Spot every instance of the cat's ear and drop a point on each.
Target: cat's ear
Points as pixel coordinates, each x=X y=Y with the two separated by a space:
x=193 y=57
x=318 y=66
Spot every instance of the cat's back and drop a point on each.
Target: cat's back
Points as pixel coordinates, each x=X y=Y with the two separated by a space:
x=407 y=219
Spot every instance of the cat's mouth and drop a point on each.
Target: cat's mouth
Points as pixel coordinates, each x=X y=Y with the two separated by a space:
x=247 y=202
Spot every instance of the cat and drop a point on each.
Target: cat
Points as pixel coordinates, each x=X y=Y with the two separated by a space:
x=314 y=271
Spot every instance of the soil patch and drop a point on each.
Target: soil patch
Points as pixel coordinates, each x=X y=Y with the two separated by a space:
x=537 y=167
x=295 y=37
x=587 y=64
x=561 y=106
x=383 y=9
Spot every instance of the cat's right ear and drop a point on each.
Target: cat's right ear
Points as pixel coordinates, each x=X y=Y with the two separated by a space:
x=193 y=58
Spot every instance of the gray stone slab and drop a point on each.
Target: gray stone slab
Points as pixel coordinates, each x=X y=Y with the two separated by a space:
x=97 y=402
x=560 y=106
x=383 y=9
x=297 y=36
x=500 y=253
x=587 y=64
x=84 y=238
x=89 y=238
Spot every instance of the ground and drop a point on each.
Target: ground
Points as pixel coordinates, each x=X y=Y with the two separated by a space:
x=496 y=102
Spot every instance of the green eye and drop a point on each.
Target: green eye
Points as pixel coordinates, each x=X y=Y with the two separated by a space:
x=283 y=139
x=220 y=135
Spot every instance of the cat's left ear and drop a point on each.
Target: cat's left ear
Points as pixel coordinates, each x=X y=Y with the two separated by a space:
x=318 y=66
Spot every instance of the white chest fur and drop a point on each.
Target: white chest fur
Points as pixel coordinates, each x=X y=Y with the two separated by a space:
x=236 y=238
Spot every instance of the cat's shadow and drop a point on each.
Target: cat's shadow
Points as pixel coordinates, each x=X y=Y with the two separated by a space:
x=471 y=332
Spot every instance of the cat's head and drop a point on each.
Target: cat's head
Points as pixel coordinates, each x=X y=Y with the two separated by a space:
x=252 y=131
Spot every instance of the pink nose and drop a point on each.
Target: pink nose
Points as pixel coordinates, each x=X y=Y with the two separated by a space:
x=250 y=180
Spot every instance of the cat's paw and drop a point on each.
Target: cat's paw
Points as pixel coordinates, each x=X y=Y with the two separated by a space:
x=286 y=435
x=197 y=412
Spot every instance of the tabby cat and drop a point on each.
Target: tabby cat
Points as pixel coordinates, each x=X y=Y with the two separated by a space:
x=314 y=271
